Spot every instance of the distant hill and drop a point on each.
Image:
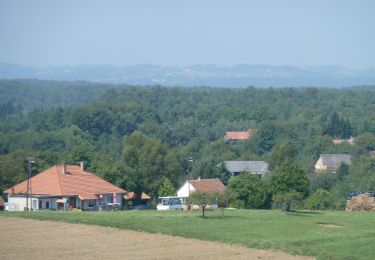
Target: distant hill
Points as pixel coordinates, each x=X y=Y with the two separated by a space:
x=43 y=94
x=199 y=75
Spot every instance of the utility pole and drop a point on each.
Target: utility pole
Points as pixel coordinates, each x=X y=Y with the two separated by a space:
x=29 y=192
x=189 y=160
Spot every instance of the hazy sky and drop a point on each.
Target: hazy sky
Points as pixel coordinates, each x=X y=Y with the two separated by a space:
x=178 y=32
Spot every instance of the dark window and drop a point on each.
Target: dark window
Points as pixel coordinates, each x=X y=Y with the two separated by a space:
x=47 y=204
x=40 y=204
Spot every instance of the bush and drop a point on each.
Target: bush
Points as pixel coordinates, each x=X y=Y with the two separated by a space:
x=320 y=200
x=287 y=201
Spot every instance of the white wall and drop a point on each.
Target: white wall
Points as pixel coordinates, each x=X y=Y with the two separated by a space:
x=184 y=190
x=18 y=203
x=319 y=166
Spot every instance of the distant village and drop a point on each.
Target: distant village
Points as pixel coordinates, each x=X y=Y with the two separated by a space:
x=69 y=187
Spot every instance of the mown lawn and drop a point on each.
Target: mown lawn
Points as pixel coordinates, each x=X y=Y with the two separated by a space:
x=353 y=236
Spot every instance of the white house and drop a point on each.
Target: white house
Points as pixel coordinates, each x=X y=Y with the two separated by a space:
x=61 y=187
x=201 y=185
x=331 y=162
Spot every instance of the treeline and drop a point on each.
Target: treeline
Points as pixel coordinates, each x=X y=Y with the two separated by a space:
x=44 y=94
x=136 y=137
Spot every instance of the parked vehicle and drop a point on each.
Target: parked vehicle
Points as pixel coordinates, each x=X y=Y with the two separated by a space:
x=170 y=203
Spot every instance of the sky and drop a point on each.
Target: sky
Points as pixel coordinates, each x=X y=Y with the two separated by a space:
x=183 y=33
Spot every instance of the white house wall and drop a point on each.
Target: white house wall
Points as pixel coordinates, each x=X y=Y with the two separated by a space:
x=19 y=203
x=184 y=190
x=319 y=166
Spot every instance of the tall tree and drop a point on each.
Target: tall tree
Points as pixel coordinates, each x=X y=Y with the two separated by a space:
x=149 y=161
x=251 y=190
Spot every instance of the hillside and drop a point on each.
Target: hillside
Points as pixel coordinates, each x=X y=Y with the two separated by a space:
x=136 y=137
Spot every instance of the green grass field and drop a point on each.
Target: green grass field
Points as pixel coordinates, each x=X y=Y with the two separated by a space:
x=302 y=233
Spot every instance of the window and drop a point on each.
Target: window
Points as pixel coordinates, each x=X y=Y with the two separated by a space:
x=40 y=204
x=47 y=204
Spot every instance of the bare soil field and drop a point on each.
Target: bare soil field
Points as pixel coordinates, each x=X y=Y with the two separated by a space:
x=33 y=239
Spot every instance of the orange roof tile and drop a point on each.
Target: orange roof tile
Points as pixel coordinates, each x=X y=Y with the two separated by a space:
x=75 y=182
x=242 y=135
x=208 y=185
x=131 y=195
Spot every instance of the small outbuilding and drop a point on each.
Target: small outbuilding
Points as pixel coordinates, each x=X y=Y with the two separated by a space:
x=331 y=162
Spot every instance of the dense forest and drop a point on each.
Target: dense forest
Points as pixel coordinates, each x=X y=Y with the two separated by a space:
x=137 y=137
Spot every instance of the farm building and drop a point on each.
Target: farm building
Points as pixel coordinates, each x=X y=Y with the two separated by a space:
x=61 y=187
x=253 y=167
x=331 y=162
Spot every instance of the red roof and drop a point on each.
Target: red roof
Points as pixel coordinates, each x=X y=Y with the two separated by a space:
x=131 y=195
x=208 y=185
x=243 y=135
x=74 y=182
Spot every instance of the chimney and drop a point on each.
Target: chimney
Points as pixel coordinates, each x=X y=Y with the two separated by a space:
x=82 y=166
x=64 y=168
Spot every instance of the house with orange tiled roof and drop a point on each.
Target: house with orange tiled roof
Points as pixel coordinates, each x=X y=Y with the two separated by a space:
x=200 y=185
x=231 y=137
x=62 y=187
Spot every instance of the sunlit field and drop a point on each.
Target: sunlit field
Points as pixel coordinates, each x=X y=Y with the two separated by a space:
x=327 y=235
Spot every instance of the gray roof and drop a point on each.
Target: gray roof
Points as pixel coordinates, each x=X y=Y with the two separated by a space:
x=258 y=167
x=334 y=160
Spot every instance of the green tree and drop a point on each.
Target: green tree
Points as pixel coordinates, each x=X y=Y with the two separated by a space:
x=286 y=201
x=320 y=200
x=223 y=199
x=167 y=189
x=251 y=190
x=289 y=184
x=202 y=199
x=365 y=142
x=283 y=152
x=149 y=161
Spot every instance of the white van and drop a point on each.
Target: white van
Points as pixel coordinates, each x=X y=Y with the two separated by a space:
x=169 y=203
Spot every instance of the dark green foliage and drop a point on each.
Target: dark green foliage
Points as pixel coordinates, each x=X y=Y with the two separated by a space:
x=149 y=162
x=251 y=190
x=290 y=178
x=283 y=153
x=287 y=201
x=9 y=108
x=338 y=127
x=320 y=200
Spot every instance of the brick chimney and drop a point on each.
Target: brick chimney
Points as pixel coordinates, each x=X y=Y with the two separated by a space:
x=63 y=168
x=82 y=166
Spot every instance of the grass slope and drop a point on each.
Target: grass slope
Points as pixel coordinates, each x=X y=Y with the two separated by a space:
x=297 y=233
